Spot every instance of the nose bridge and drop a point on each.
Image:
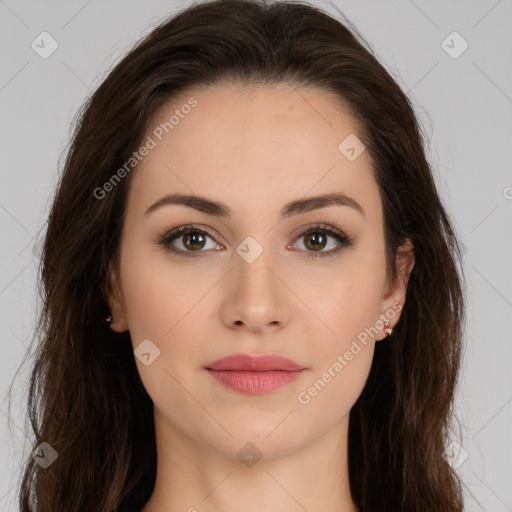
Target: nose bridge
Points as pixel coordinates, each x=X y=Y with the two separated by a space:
x=252 y=266
x=257 y=298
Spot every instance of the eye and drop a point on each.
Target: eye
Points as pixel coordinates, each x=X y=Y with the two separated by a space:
x=316 y=239
x=194 y=240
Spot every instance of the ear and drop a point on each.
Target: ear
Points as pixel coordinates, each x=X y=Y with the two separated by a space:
x=393 y=299
x=116 y=303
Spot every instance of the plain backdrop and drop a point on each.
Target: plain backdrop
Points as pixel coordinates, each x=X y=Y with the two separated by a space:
x=463 y=97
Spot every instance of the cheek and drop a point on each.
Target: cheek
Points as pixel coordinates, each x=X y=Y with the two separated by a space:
x=349 y=304
x=349 y=308
x=333 y=390
x=167 y=309
x=343 y=357
x=157 y=295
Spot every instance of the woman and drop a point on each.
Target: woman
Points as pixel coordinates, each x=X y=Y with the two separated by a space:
x=252 y=291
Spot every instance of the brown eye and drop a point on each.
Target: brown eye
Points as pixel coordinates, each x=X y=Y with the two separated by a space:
x=315 y=241
x=195 y=240
x=191 y=239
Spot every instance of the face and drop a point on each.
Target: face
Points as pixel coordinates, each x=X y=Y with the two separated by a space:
x=269 y=272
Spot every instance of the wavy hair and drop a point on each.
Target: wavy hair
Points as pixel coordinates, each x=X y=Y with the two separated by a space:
x=85 y=397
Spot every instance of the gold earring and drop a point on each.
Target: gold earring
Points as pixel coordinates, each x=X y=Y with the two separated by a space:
x=387 y=328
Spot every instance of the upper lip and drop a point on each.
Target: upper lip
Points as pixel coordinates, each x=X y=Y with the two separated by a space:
x=263 y=363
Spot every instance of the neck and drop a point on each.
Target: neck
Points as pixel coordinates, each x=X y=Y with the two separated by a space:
x=195 y=478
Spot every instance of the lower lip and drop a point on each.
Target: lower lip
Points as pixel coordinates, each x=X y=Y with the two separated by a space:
x=255 y=383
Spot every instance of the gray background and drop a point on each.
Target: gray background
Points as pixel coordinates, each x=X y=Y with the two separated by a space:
x=464 y=103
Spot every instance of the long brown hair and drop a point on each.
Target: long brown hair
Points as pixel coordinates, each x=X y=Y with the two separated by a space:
x=86 y=399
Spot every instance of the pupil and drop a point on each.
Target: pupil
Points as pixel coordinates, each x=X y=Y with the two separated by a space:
x=316 y=243
x=193 y=239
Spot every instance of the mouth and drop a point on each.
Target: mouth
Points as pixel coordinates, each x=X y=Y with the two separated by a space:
x=255 y=374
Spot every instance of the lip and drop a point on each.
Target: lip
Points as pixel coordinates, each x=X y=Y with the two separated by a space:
x=263 y=363
x=254 y=374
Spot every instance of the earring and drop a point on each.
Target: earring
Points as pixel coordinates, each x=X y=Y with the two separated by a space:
x=110 y=318
x=387 y=328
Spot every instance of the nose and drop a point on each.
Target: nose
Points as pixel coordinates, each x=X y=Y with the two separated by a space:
x=255 y=297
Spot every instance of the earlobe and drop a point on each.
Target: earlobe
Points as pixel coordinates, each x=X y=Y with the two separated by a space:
x=394 y=299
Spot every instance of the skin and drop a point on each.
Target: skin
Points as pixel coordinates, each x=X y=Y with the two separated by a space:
x=254 y=150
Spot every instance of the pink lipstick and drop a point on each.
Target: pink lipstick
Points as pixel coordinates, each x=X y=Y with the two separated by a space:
x=254 y=374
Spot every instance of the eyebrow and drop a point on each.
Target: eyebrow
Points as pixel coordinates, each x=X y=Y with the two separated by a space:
x=295 y=207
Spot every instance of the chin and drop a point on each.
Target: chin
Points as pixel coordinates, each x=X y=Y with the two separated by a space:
x=259 y=439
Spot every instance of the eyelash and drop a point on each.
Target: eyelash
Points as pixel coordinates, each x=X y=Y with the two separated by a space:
x=166 y=239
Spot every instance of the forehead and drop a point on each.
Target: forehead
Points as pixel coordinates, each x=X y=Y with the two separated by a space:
x=248 y=146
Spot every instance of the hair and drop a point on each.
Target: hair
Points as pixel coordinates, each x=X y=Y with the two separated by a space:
x=85 y=397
